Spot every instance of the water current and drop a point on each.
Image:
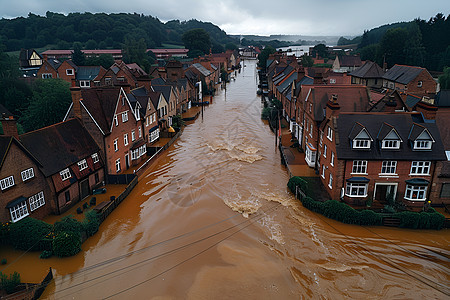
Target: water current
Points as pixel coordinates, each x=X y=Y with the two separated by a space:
x=212 y=219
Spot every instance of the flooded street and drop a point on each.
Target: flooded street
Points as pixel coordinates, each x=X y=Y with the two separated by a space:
x=212 y=219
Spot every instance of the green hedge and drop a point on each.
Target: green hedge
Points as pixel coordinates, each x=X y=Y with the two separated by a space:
x=423 y=220
x=27 y=233
x=91 y=222
x=9 y=284
x=67 y=243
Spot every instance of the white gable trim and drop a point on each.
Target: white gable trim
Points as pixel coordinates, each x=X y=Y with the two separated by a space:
x=357 y=137
x=68 y=111
x=92 y=118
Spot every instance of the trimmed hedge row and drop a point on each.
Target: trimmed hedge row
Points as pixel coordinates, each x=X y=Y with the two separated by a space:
x=62 y=239
x=344 y=213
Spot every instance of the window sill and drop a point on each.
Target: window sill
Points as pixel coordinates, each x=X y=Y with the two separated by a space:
x=418 y=200
x=367 y=174
x=417 y=174
x=384 y=175
x=356 y=196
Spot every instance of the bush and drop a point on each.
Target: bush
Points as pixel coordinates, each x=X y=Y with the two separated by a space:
x=85 y=205
x=79 y=210
x=67 y=243
x=46 y=254
x=369 y=217
x=265 y=113
x=26 y=233
x=4 y=261
x=297 y=181
x=91 y=222
x=68 y=224
x=93 y=201
x=10 y=284
x=422 y=220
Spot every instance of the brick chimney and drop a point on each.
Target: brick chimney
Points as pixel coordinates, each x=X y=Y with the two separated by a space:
x=145 y=82
x=318 y=77
x=333 y=107
x=76 y=97
x=9 y=126
x=428 y=109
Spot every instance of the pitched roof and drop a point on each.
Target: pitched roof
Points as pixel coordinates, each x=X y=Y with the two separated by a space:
x=373 y=123
x=368 y=70
x=5 y=142
x=205 y=72
x=350 y=61
x=164 y=89
x=87 y=72
x=351 y=98
x=402 y=74
x=60 y=145
x=101 y=104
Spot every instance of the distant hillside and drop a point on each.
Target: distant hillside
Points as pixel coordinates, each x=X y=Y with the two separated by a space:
x=98 y=30
x=305 y=39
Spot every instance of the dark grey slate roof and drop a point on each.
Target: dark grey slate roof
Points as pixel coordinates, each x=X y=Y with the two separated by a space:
x=350 y=124
x=411 y=101
x=202 y=69
x=87 y=72
x=402 y=74
x=443 y=98
x=368 y=70
x=164 y=89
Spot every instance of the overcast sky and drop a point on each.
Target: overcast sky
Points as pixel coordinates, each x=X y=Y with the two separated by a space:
x=263 y=17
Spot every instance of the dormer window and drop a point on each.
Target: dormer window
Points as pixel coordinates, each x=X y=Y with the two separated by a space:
x=391 y=144
x=330 y=133
x=361 y=143
x=422 y=145
x=82 y=164
x=65 y=174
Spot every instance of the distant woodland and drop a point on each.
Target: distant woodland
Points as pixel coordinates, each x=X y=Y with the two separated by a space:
x=100 y=31
x=417 y=43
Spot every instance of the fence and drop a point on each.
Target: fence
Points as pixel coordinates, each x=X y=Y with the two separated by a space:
x=120 y=179
x=31 y=291
x=114 y=202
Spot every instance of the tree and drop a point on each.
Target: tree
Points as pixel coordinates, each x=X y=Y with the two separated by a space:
x=197 y=40
x=444 y=79
x=104 y=60
x=321 y=50
x=392 y=45
x=231 y=46
x=78 y=57
x=264 y=55
x=51 y=99
x=306 y=60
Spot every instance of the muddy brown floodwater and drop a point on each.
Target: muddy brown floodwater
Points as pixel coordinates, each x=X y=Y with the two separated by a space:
x=212 y=219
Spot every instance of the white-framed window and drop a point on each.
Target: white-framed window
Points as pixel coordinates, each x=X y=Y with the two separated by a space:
x=332 y=158
x=332 y=80
x=85 y=83
x=323 y=171
x=330 y=133
x=147 y=121
x=65 y=174
x=325 y=151
x=311 y=130
x=420 y=168
x=154 y=135
x=116 y=120
x=27 y=174
x=118 y=165
x=416 y=193
x=140 y=131
x=19 y=211
x=389 y=167
x=134 y=154
x=133 y=135
x=356 y=189
x=69 y=72
x=321 y=138
x=125 y=116
x=361 y=144
x=82 y=164
x=330 y=182
x=359 y=167
x=310 y=107
x=47 y=75
x=36 y=201
x=95 y=158
x=116 y=145
x=391 y=144
x=7 y=182
x=125 y=139
x=422 y=145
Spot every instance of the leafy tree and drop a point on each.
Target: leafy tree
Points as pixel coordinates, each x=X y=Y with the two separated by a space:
x=78 y=57
x=135 y=52
x=264 y=55
x=392 y=46
x=444 y=79
x=104 y=60
x=231 y=46
x=306 y=60
x=51 y=99
x=321 y=50
x=371 y=52
x=197 y=40
x=91 y=44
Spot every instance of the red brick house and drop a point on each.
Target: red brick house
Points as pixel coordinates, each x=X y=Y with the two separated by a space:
x=23 y=187
x=143 y=99
x=109 y=117
x=413 y=80
x=311 y=106
x=70 y=161
x=379 y=155
x=49 y=69
x=370 y=74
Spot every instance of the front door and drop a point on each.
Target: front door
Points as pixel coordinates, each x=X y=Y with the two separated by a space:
x=382 y=192
x=84 y=188
x=127 y=161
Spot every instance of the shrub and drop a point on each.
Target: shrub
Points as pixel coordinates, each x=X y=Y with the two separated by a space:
x=85 y=205
x=26 y=233
x=297 y=181
x=91 y=222
x=4 y=261
x=67 y=243
x=93 y=201
x=46 y=254
x=265 y=113
x=422 y=220
x=10 y=284
x=68 y=224
x=369 y=217
x=79 y=210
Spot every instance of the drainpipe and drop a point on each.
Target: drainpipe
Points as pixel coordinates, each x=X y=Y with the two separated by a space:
x=432 y=179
